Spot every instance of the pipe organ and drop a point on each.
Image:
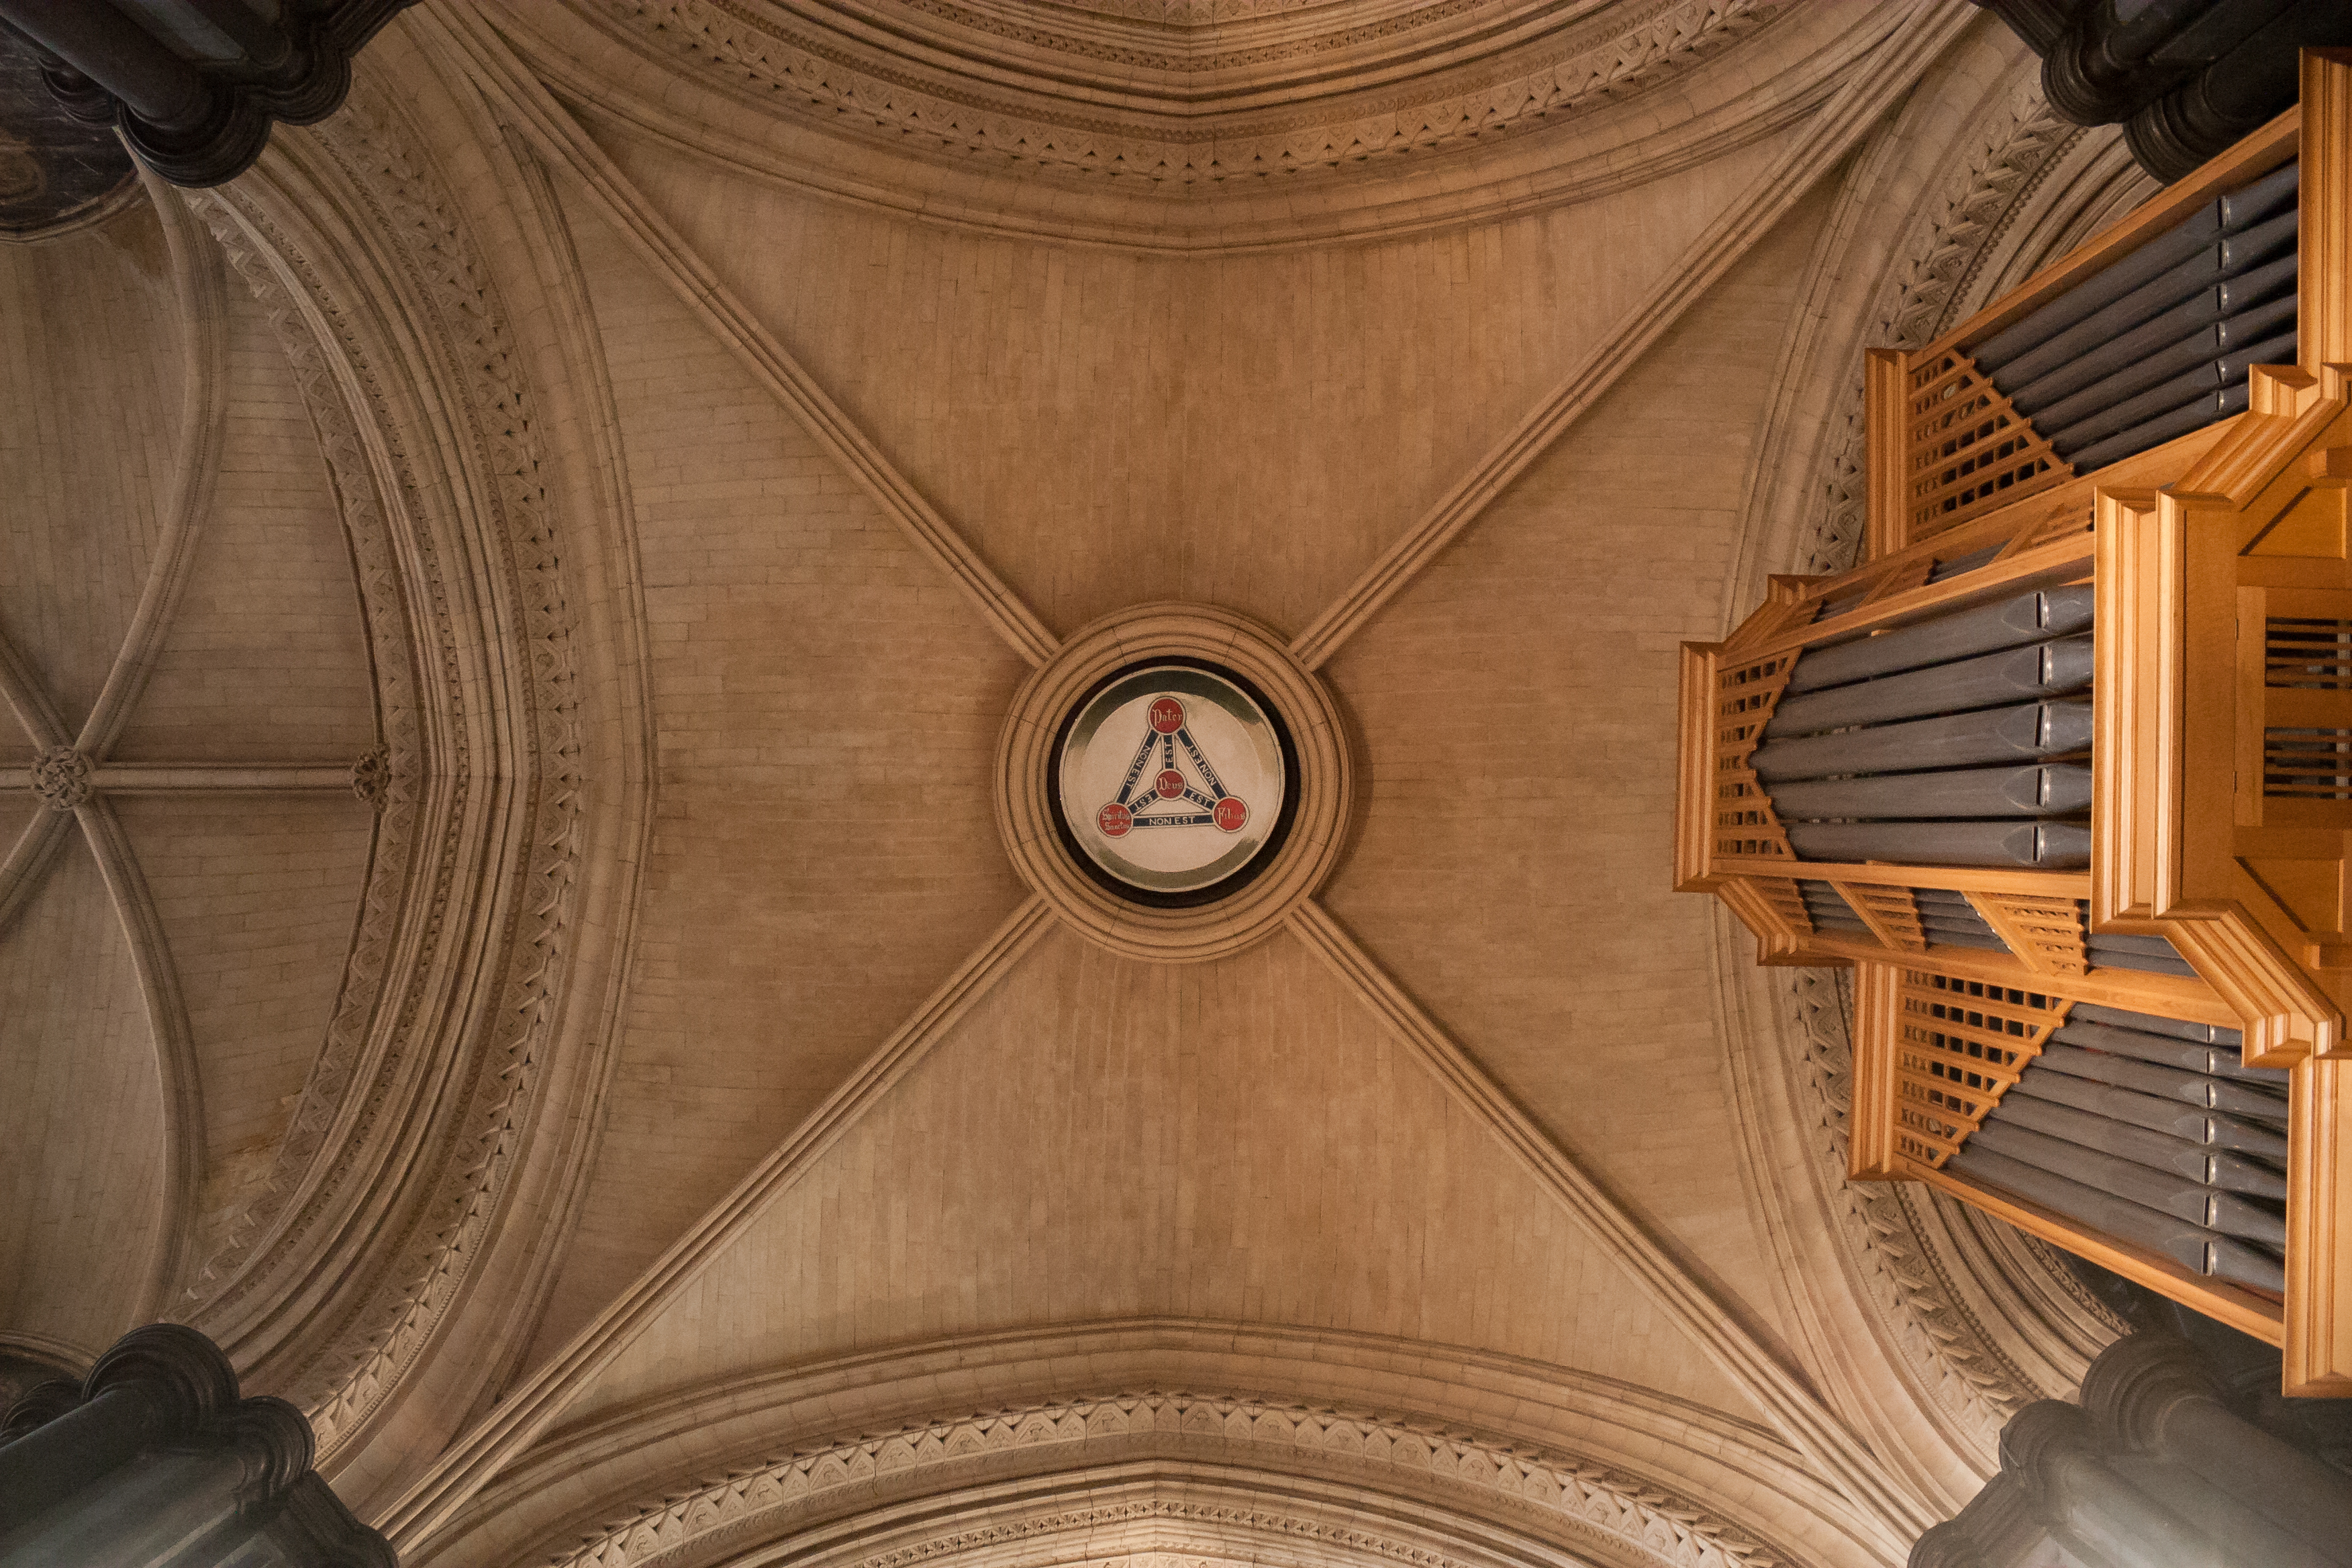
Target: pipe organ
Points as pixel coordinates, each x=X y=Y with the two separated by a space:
x=2064 y=769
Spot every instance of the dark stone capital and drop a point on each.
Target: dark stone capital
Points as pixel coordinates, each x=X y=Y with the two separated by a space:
x=172 y=1364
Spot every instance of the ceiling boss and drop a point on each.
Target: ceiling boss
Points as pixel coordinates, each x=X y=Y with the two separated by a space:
x=1171 y=782
x=1174 y=781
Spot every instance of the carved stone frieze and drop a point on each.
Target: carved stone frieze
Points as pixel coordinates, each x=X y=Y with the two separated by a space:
x=1160 y=139
x=390 y=614
x=1607 y=1507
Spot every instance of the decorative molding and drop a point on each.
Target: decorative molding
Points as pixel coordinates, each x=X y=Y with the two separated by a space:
x=1025 y=783
x=386 y=611
x=530 y=1407
x=452 y=1184
x=371 y=777
x=508 y=83
x=1803 y=1418
x=1025 y=118
x=1603 y=1504
x=1825 y=141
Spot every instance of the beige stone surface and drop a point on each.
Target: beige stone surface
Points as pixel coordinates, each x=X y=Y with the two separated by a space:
x=82 y=1189
x=88 y=416
x=266 y=657
x=825 y=709
x=1516 y=708
x=259 y=898
x=1107 y=429
x=711 y=470
x=1101 y=1138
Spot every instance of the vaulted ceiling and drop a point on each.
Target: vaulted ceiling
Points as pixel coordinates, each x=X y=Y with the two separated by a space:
x=510 y=608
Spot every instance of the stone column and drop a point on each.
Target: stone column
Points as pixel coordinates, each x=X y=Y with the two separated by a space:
x=2088 y=1507
x=2154 y=1395
x=155 y=1462
x=2152 y=1470
x=157 y=1386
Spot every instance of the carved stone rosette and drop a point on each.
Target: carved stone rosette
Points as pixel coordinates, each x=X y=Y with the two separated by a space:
x=61 y=778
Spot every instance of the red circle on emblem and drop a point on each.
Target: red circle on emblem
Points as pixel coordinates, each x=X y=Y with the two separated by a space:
x=1231 y=813
x=1167 y=715
x=1114 y=820
x=1169 y=784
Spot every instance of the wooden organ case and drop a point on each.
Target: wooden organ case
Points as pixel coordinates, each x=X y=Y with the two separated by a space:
x=2064 y=769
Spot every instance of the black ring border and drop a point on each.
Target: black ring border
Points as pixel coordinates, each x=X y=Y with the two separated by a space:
x=1225 y=888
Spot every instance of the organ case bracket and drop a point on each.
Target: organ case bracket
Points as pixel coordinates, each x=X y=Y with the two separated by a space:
x=2222 y=757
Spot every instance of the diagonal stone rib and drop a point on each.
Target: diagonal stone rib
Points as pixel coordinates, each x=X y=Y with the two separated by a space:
x=20 y=873
x=1835 y=131
x=1835 y=1450
x=202 y=308
x=526 y=1412
x=39 y=717
x=525 y=102
x=175 y=1050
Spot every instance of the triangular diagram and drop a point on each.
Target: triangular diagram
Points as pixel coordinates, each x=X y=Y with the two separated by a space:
x=1166 y=797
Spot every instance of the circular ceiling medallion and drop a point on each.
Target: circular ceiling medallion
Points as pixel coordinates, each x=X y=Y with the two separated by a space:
x=1172 y=782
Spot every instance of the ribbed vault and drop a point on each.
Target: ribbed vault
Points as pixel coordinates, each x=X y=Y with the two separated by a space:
x=522 y=588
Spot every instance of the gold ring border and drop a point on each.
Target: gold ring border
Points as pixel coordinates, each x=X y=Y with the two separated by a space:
x=1024 y=764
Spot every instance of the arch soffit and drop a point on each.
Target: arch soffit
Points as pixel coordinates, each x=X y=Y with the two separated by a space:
x=708 y=1473
x=476 y=493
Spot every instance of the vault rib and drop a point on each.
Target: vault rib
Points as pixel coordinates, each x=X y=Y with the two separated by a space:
x=176 y=1049
x=34 y=712
x=471 y=1461
x=525 y=102
x=29 y=857
x=1843 y=1458
x=203 y=414
x=1824 y=140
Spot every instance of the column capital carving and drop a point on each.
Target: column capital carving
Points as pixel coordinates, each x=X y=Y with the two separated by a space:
x=2038 y=1436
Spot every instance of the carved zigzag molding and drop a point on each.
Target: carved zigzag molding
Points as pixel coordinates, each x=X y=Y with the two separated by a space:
x=1605 y=1507
x=820 y=74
